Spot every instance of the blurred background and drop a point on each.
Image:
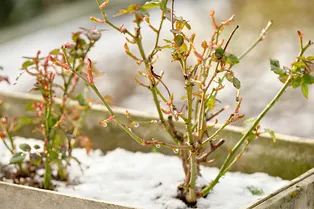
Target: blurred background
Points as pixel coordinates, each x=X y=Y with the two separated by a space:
x=30 y=25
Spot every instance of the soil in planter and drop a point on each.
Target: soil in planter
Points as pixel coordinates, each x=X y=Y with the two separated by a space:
x=150 y=180
x=9 y=173
x=32 y=175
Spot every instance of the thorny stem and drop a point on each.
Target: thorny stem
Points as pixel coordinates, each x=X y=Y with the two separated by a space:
x=225 y=167
x=48 y=107
x=189 y=93
x=192 y=162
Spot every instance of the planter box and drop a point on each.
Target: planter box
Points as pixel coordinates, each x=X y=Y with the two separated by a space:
x=289 y=158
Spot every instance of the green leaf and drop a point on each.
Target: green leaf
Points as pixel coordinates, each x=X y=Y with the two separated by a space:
x=29 y=106
x=54 y=52
x=53 y=155
x=151 y=4
x=236 y=83
x=219 y=52
x=275 y=67
x=130 y=10
x=184 y=48
x=159 y=48
x=310 y=58
x=80 y=99
x=179 y=25
x=183 y=97
x=163 y=5
x=1 y=68
x=17 y=158
x=305 y=90
x=154 y=149
x=167 y=41
x=229 y=77
x=52 y=121
x=75 y=37
x=296 y=82
x=271 y=133
x=254 y=190
x=36 y=146
x=249 y=121
x=274 y=63
x=142 y=12
x=232 y=59
x=25 y=147
x=26 y=64
x=179 y=40
x=25 y=120
x=308 y=79
x=299 y=64
x=35 y=158
x=210 y=103
x=187 y=25
x=174 y=31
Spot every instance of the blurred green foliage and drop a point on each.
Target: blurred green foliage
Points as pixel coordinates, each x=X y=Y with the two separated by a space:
x=17 y=11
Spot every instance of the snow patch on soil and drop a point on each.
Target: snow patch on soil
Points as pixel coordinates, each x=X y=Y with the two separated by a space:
x=150 y=180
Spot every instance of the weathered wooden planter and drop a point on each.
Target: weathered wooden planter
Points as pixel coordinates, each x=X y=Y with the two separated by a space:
x=290 y=158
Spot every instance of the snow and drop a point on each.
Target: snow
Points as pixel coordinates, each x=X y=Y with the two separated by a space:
x=259 y=84
x=150 y=180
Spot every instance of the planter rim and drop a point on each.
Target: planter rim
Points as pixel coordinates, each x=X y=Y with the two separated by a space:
x=278 y=191
x=58 y=194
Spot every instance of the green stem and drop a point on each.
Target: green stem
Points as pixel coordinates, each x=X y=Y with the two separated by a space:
x=226 y=166
x=125 y=128
x=193 y=170
x=11 y=140
x=154 y=51
x=47 y=175
x=222 y=171
x=8 y=134
x=109 y=23
x=259 y=39
x=7 y=146
x=251 y=47
x=189 y=94
x=47 y=115
x=216 y=132
x=22 y=172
